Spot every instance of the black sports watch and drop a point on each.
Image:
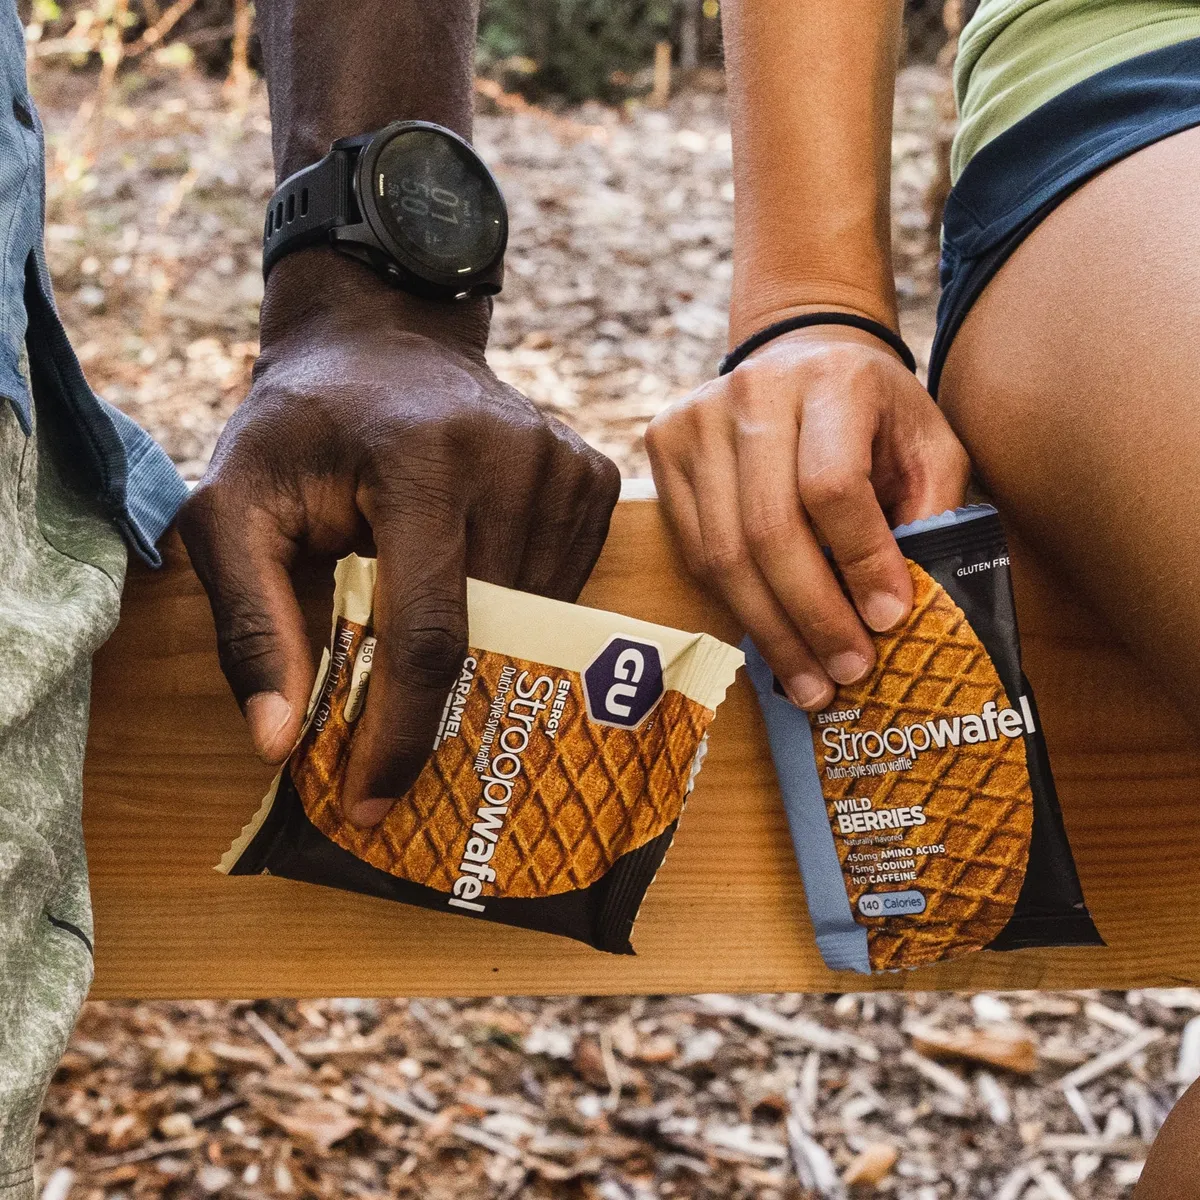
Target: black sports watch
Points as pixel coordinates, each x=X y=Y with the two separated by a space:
x=412 y=201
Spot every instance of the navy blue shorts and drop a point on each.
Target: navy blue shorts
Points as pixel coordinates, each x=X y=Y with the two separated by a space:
x=1029 y=169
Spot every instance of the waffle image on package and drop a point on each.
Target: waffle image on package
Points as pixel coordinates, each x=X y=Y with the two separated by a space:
x=563 y=759
x=920 y=800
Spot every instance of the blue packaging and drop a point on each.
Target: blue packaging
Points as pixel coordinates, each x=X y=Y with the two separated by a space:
x=938 y=832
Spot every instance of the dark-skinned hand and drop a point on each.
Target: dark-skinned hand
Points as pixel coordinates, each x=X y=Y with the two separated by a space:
x=374 y=425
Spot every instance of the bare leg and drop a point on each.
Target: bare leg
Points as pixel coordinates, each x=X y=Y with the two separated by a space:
x=1075 y=386
x=1172 y=1170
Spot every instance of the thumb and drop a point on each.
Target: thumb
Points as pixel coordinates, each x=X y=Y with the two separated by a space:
x=241 y=558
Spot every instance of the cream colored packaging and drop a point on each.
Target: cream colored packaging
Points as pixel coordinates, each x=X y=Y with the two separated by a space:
x=564 y=756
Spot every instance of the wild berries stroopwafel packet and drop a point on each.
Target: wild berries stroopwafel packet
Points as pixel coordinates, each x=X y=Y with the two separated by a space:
x=920 y=800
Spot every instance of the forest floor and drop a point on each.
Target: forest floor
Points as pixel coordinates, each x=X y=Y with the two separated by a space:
x=618 y=277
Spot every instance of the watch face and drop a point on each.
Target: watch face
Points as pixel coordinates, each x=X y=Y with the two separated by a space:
x=438 y=203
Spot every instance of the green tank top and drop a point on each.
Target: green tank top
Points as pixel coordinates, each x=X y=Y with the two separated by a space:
x=1014 y=55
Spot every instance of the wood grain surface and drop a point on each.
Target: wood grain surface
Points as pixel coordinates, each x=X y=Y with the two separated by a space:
x=170 y=779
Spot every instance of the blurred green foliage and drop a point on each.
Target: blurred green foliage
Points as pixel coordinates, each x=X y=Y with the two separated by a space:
x=576 y=49
x=569 y=49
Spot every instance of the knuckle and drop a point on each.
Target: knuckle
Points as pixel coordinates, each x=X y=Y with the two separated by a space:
x=245 y=645
x=571 y=455
x=658 y=433
x=828 y=488
x=212 y=518
x=829 y=628
x=430 y=653
x=769 y=527
x=726 y=559
x=522 y=420
x=865 y=559
x=709 y=405
x=747 y=394
x=942 y=455
x=673 y=432
x=668 y=420
x=425 y=490
x=533 y=437
x=605 y=480
x=526 y=442
x=432 y=439
x=589 y=481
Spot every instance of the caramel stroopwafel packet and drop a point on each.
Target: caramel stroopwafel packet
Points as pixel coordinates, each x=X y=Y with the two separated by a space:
x=565 y=754
x=921 y=802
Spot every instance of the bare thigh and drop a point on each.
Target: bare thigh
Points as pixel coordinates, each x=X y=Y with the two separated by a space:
x=1075 y=385
x=1172 y=1170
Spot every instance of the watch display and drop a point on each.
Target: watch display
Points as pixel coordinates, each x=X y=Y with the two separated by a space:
x=435 y=202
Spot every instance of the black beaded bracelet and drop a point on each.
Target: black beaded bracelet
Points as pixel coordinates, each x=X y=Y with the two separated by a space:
x=763 y=336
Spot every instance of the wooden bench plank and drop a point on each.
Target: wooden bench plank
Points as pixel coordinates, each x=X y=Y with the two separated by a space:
x=170 y=778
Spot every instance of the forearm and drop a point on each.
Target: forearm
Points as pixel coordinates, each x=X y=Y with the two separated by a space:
x=332 y=76
x=810 y=93
x=337 y=71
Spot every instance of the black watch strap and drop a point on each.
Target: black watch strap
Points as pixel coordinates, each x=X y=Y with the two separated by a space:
x=307 y=206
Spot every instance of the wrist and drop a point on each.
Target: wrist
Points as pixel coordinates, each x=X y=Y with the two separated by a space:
x=771 y=304
x=825 y=321
x=317 y=290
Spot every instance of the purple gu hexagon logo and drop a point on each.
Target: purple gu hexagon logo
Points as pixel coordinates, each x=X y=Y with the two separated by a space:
x=623 y=682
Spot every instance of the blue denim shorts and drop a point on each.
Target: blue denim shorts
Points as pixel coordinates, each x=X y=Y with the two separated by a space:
x=1027 y=171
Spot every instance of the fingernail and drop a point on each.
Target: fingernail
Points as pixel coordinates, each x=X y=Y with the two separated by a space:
x=370 y=812
x=809 y=691
x=268 y=714
x=882 y=610
x=847 y=667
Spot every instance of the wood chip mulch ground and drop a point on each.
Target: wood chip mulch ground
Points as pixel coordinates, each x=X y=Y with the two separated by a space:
x=1009 y=1097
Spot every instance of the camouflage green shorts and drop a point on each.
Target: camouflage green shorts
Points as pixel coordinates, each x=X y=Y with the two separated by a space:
x=62 y=565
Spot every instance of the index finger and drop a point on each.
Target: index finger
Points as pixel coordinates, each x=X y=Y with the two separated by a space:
x=834 y=460
x=421 y=622
x=787 y=552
